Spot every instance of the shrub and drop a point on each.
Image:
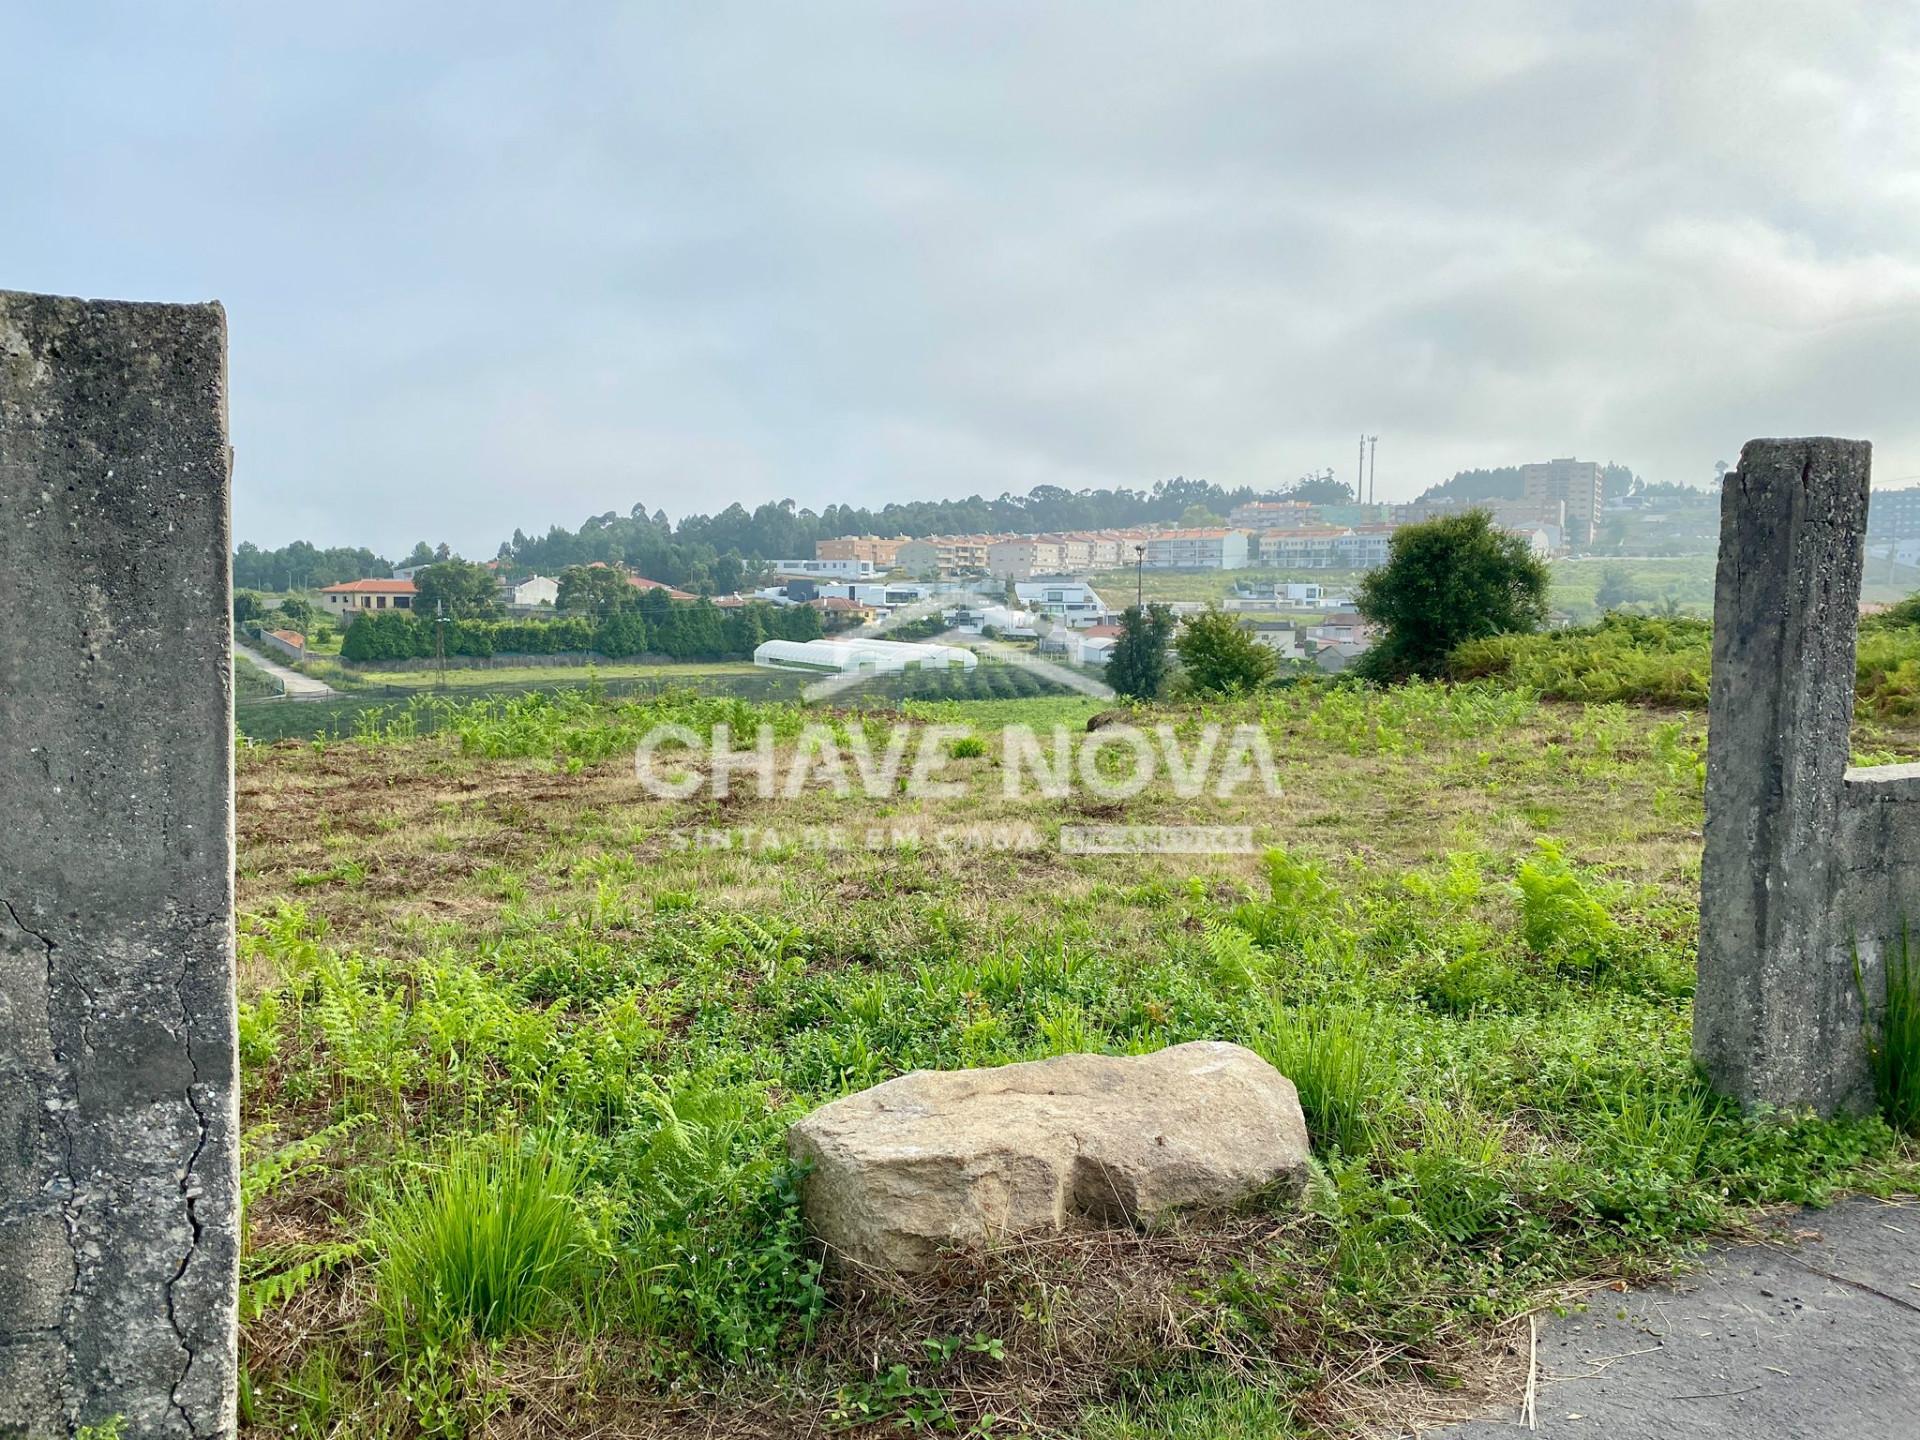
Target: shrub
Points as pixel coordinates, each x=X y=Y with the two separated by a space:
x=1445 y=582
x=1219 y=658
x=1624 y=657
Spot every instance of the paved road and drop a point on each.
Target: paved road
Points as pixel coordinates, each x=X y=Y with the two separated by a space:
x=1764 y=1342
x=299 y=687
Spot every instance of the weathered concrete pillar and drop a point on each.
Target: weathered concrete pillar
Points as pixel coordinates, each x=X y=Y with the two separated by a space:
x=1777 y=1018
x=118 y=1103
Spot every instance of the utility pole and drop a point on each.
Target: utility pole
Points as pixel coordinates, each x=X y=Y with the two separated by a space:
x=1140 y=578
x=1373 y=491
x=1360 y=472
x=440 y=639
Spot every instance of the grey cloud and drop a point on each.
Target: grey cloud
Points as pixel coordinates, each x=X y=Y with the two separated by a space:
x=494 y=265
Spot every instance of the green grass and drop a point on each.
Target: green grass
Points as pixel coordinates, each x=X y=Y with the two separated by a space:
x=1894 y=1047
x=489 y=1242
x=529 y=1049
x=250 y=682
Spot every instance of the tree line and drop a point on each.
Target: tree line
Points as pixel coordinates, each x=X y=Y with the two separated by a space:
x=715 y=554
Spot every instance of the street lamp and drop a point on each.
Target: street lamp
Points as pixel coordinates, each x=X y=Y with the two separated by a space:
x=1140 y=578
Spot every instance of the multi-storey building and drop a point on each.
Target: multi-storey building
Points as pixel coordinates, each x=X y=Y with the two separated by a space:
x=1894 y=514
x=880 y=553
x=1305 y=547
x=1024 y=556
x=1197 y=550
x=1576 y=482
x=1272 y=514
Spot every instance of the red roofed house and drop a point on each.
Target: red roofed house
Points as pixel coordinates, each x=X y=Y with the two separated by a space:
x=840 y=611
x=640 y=582
x=356 y=597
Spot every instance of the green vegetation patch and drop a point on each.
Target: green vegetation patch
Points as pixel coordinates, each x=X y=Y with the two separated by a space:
x=521 y=1048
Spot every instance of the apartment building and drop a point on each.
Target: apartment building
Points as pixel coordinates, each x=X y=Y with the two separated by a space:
x=1302 y=547
x=1576 y=482
x=1271 y=514
x=945 y=554
x=880 y=553
x=1894 y=514
x=1024 y=556
x=1197 y=550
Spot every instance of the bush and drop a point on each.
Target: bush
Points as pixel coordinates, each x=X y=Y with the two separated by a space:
x=1446 y=582
x=1220 y=658
x=1624 y=657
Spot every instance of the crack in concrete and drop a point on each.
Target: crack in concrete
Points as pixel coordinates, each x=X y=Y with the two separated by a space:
x=69 y=1200
x=189 y=1190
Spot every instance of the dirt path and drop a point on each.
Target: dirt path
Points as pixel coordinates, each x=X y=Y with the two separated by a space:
x=1812 y=1334
x=299 y=687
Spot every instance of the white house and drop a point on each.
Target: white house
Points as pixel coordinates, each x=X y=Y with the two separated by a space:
x=827 y=569
x=1280 y=636
x=535 y=590
x=1073 y=601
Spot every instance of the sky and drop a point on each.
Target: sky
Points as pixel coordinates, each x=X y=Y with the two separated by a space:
x=490 y=266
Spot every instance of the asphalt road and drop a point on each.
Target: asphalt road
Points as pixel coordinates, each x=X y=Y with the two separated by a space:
x=1815 y=1335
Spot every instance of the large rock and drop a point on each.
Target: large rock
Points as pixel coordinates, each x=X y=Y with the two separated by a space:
x=940 y=1158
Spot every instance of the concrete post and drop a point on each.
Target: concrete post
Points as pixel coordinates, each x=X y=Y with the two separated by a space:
x=119 y=1234
x=1777 y=1017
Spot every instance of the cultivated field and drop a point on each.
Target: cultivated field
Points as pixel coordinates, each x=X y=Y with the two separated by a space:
x=521 y=1041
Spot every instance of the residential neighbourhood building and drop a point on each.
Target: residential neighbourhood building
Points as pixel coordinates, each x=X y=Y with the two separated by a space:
x=352 y=598
x=945 y=555
x=1271 y=514
x=1075 y=602
x=1283 y=637
x=641 y=582
x=1024 y=556
x=534 y=590
x=881 y=553
x=1894 y=514
x=1197 y=550
x=1578 y=483
x=1340 y=627
x=845 y=569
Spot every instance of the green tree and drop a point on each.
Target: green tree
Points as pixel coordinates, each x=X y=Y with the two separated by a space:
x=247 y=607
x=1220 y=658
x=297 y=612
x=1137 y=668
x=467 y=590
x=595 y=590
x=1445 y=582
x=1199 y=517
x=1616 y=589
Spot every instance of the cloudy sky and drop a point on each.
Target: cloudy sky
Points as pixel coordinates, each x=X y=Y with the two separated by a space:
x=496 y=265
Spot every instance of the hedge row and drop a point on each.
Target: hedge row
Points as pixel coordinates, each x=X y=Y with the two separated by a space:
x=682 y=631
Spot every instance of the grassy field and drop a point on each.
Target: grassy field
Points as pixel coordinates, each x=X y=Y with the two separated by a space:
x=521 y=1041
